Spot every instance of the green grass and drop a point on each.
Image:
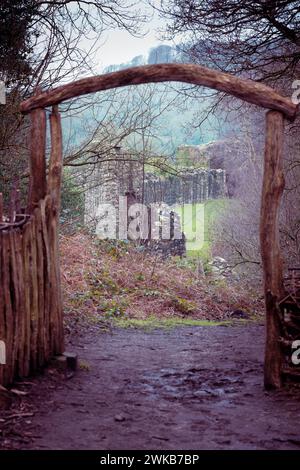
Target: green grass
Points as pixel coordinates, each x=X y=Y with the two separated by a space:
x=153 y=322
x=198 y=220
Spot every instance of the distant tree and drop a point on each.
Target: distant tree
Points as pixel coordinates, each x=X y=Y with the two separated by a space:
x=16 y=19
x=41 y=44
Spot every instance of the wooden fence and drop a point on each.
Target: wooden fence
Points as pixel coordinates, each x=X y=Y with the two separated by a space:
x=31 y=324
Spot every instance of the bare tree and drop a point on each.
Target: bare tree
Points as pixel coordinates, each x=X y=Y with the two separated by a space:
x=128 y=118
x=259 y=38
x=44 y=43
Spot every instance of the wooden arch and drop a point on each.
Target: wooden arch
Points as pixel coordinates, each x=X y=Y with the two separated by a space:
x=279 y=107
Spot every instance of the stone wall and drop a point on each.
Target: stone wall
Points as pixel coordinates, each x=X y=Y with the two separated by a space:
x=174 y=244
x=109 y=180
x=191 y=186
x=124 y=176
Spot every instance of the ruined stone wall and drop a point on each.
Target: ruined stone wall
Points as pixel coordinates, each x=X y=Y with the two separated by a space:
x=191 y=186
x=116 y=177
x=109 y=180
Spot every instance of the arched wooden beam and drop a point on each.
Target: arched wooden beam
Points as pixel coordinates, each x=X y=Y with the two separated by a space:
x=247 y=90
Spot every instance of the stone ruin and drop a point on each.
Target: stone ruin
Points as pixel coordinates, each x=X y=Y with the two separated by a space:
x=124 y=176
x=170 y=244
x=190 y=187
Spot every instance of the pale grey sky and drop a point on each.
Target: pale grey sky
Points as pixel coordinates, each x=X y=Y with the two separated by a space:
x=119 y=46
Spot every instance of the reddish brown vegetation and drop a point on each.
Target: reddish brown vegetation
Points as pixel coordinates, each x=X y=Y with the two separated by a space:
x=105 y=280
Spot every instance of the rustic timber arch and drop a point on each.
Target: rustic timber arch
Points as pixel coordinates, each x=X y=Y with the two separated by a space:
x=279 y=107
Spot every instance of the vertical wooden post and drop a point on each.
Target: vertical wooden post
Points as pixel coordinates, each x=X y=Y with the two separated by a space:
x=54 y=191
x=273 y=185
x=1 y=208
x=18 y=201
x=55 y=164
x=37 y=190
x=12 y=203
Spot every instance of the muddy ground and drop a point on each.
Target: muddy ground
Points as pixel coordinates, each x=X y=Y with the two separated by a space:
x=185 y=388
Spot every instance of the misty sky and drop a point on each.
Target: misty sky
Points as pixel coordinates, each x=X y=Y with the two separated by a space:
x=119 y=46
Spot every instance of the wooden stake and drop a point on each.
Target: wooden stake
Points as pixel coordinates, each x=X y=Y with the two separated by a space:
x=1 y=208
x=273 y=185
x=26 y=249
x=47 y=279
x=54 y=191
x=37 y=189
x=9 y=320
x=2 y=310
x=55 y=164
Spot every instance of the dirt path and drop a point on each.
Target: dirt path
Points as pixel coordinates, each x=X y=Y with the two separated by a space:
x=186 y=388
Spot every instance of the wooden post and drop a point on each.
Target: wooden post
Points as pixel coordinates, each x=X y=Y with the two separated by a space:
x=273 y=185
x=1 y=208
x=55 y=164
x=37 y=188
x=54 y=191
x=2 y=307
x=12 y=203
